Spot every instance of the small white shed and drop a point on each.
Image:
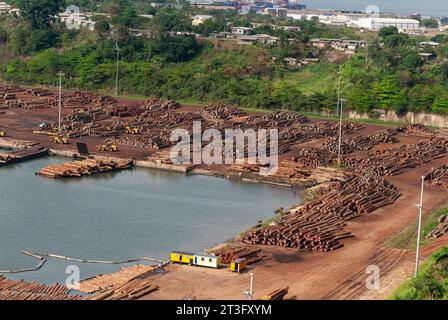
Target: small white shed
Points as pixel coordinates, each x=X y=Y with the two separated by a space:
x=205 y=260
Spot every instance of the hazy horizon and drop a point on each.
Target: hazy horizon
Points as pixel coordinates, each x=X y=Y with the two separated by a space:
x=437 y=8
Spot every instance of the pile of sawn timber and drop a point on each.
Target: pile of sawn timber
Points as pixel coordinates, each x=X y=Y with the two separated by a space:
x=319 y=225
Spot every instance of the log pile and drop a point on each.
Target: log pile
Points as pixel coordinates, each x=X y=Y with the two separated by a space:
x=440 y=229
x=23 y=290
x=410 y=128
x=311 y=158
x=83 y=167
x=284 y=119
x=437 y=177
x=319 y=225
x=220 y=113
x=38 y=92
x=131 y=290
x=278 y=294
x=157 y=141
x=360 y=143
x=233 y=254
x=107 y=281
x=393 y=161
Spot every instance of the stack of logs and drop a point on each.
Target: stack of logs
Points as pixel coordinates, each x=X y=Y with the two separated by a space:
x=360 y=143
x=83 y=167
x=393 y=161
x=233 y=254
x=284 y=119
x=319 y=225
x=416 y=129
x=131 y=290
x=107 y=281
x=157 y=141
x=311 y=158
x=23 y=290
x=220 y=113
x=440 y=229
x=437 y=177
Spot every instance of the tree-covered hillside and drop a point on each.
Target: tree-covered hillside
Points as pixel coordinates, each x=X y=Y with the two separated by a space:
x=388 y=74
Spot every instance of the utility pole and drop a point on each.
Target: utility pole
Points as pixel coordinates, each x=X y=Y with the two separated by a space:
x=117 y=48
x=420 y=213
x=340 y=134
x=339 y=91
x=60 y=74
x=250 y=293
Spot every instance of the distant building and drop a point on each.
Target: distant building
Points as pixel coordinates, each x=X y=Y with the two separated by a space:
x=379 y=23
x=427 y=56
x=75 y=18
x=258 y=38
x=200 y=19
x=347 y=46
x=429 y=43
x=276 y=12
x=4 y=7
x=242 y=31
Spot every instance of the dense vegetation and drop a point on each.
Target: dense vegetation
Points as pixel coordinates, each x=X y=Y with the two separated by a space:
x=389 y=74
x=432 y=282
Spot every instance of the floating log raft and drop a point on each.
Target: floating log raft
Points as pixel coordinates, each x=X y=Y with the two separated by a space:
x=440 y=229
x=319 y=225
x=83 y=167
x=437 y=177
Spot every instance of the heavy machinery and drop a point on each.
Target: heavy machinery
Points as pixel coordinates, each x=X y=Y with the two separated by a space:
x=133 y=130
x=108 y=147
x=60 y=139
x=2 y=133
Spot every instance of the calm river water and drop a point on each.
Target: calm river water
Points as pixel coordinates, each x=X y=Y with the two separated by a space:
x=123 y=215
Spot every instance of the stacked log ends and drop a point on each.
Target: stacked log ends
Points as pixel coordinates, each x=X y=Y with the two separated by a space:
x=233 y=254
x=437 y=177
x=413 y=129
x=440 y=229
x=319 y=225
x=83 y=167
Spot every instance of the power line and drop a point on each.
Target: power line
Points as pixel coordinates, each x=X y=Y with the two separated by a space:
x=60 y=74
x=117 y=48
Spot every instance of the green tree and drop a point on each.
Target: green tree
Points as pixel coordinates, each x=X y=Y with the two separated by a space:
x=388 y=95
x=41 y=14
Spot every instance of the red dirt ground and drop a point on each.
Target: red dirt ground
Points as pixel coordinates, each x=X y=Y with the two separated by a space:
x=334 y=275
